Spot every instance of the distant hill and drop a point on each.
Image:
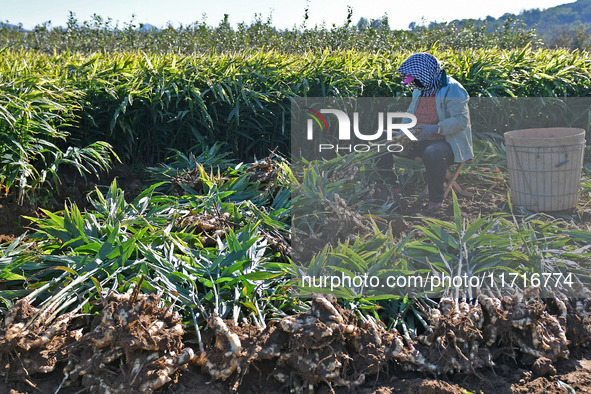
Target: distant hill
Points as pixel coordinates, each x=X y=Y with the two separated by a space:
x=566 y=25
x=142 y=27
x=11 y=26
x=565 y=15
x=147 y=27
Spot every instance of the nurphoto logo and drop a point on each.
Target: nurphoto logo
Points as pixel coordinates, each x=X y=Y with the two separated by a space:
x=390 y=126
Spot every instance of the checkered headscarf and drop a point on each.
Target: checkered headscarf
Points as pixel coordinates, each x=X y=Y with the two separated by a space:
x=424 y=67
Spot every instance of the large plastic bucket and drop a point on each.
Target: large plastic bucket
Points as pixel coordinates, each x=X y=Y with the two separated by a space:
x=545 y=167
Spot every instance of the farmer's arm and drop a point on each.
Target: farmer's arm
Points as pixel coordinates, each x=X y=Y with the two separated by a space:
x=456 y=108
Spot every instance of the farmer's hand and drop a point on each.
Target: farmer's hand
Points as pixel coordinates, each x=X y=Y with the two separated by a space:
x=428 y=130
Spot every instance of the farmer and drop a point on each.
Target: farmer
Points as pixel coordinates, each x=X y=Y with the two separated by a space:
x=440 y=104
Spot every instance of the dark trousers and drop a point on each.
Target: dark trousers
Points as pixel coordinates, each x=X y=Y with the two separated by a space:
x=436 y=155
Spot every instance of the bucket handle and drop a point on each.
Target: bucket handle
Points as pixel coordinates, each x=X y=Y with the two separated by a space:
x=560 y=164
x=565 y=158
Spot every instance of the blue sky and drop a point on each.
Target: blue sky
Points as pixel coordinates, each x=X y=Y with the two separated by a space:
x=285 y=14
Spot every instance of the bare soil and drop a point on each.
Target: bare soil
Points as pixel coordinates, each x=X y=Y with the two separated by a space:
x=13 y=221
x=483 y=201
x=507 y=378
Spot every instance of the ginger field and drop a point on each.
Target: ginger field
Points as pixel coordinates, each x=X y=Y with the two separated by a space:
x=146 y=217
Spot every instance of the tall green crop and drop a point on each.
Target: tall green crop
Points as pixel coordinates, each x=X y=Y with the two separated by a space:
x=145 y=104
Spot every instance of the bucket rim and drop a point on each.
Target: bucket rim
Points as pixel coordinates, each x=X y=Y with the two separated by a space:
x=566 y=132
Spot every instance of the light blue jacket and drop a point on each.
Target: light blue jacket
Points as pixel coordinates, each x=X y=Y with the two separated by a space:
x=451 y=101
